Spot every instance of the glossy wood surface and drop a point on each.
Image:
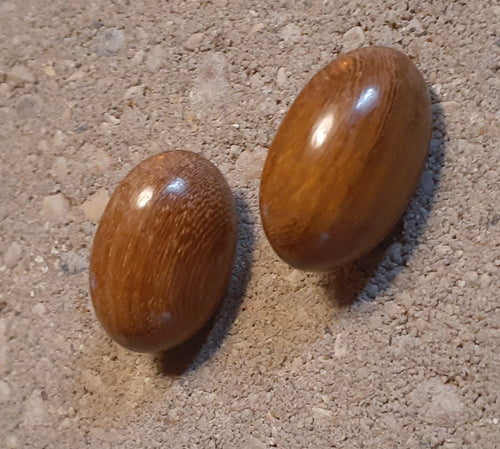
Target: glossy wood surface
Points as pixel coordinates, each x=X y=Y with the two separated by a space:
x=163 y=252
x=347 y=159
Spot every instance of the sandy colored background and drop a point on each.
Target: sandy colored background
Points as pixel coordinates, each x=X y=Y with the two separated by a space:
x=398 y=351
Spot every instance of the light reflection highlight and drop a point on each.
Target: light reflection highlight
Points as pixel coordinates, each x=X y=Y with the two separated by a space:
x=367 y=100
x=144 y=197
x=177 y=186
x=322 y=130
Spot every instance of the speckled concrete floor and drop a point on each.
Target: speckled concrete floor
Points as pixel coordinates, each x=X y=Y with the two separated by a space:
x=399 y=350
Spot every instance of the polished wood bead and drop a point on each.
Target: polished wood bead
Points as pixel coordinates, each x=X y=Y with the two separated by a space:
x=346 y=159
x=163 y=252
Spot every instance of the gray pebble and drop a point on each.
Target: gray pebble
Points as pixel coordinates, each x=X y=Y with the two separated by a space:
x=73 y=263
x=109 y=42
x=29 y=105
x=81 y=129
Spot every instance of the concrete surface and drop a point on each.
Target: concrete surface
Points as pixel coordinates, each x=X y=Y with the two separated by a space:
x=397 y=351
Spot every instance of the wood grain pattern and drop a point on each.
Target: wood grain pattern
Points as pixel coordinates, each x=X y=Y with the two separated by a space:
x=347 y=159
x=163 y=252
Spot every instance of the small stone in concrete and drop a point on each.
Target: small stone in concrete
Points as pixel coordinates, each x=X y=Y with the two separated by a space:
x=88 y=228
x=235 y=151
x=211 y=87
x=109 y=42
x=445 y=407
x=20 y=75
x=13 y=255
x=29 y=105
x=4 y=89
x=340 y=347
x=34 y=410
x=66 y=115
x=55 y=207
x=471 y=277
x=416 y=27
x=290 y=33
x=484 y=280
x=91 y=381
x=99 y=161
x=134 y=92
x=3 y=347
x=106 y=128
x=11 y=441
x=155 y=58
x=49 y=71
x=138 y=57
x=281 y=78
x=194 y=41
x=59 y=139
x=112 y=119
x=5 y=391
x=250 y=163
x=73 y=263
x=352 y=39
x=257 y=27
x=322 y=413
x=252 y=442
x=256 y=81
x=77 y=76
x=39 y=309
x=94 y=206
x=60 y=168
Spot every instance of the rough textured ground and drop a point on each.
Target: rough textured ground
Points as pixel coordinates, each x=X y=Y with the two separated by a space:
x=398 y=351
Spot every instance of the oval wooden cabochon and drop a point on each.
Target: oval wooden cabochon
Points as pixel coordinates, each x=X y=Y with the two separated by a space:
x=346 y=160
x=163 y=252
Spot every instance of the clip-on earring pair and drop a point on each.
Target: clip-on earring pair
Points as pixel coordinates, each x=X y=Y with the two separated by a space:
x=339 y=174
